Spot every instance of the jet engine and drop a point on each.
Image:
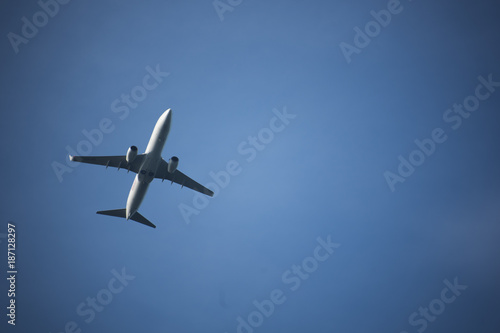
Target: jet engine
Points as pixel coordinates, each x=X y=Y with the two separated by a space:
x=131 y=154
x=172 y=164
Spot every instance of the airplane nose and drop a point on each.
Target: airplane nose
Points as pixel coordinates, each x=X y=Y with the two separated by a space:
x=168 y=117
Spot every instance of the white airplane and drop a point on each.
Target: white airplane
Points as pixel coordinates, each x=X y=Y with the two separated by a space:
x=148 y=166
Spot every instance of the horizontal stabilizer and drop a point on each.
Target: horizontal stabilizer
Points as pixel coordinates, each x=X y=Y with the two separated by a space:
x=122 y=213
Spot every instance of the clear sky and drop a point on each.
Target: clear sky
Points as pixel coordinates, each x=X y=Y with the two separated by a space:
x=354 y=144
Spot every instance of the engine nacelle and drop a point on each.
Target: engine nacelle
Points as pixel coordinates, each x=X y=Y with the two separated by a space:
x=172 y=164
x=131 y=154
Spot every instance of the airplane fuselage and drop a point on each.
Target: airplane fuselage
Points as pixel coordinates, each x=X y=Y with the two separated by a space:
x=148 y=168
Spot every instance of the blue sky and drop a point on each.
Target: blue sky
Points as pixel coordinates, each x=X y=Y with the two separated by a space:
x=418 y=255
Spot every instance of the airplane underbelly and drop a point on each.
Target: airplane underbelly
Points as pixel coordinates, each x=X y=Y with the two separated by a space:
x=148 y=169
x=136 y=195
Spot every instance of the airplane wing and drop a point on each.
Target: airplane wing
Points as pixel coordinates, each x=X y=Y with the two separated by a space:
x=112 y=161
x=180 y=178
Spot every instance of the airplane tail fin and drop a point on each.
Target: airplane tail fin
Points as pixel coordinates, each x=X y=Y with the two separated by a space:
x=122 y=212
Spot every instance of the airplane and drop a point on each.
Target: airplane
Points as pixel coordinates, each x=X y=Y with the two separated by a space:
x=148 y=166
